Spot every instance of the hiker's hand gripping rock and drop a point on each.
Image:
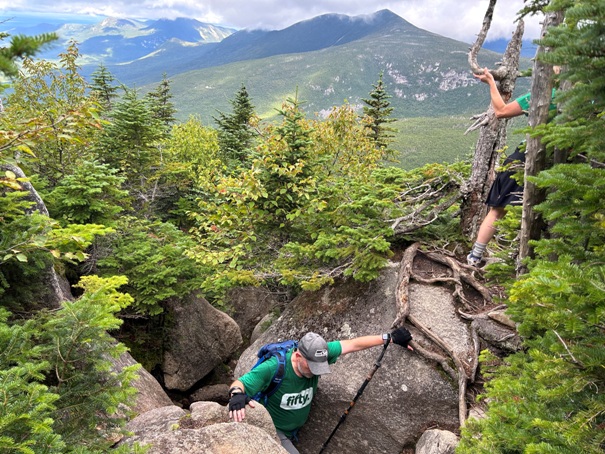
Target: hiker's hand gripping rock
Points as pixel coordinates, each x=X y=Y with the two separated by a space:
x=402 y=336
x=237 y=406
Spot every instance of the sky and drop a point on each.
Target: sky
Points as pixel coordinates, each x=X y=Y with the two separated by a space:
x=457 y=19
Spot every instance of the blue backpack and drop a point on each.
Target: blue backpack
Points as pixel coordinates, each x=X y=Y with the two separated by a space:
x=277 y=349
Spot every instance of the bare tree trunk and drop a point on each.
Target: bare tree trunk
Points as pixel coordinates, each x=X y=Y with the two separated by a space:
x=535 y=153
x=492 y=136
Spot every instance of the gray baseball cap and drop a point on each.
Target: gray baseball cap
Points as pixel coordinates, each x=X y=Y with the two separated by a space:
x=314 y=349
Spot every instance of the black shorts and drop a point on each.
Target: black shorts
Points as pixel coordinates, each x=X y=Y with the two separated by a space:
x=505 y=190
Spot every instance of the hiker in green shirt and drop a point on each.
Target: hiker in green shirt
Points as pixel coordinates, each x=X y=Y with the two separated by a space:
x=290 y=405
x=505 y=190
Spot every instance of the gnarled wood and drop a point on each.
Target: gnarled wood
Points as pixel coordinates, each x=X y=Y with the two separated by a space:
x=462 y=273
x=403 y=283
x=463 y=372
x=492 y=137
x=535 y=152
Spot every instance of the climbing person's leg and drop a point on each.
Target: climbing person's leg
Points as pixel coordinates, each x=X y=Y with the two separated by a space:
x=485 y=234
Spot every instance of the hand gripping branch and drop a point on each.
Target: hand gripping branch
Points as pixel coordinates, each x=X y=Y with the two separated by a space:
x=357 y=396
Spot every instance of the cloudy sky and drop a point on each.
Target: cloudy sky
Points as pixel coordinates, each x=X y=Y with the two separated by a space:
x=458 y=19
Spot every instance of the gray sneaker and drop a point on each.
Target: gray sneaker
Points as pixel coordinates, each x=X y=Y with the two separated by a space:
x=473 y=260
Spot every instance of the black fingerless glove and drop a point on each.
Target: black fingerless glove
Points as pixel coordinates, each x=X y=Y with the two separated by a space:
x=238 y=401
x=401 y=336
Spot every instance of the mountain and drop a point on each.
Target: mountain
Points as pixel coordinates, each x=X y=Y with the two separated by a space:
x=119 y=41
x=318 y=33
x=322 y=32
x=528 y=48
x=326 y=61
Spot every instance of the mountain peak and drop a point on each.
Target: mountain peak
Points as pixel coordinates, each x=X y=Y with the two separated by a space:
x=116 y=22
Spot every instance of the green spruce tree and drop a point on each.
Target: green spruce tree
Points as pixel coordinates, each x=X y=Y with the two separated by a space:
x=103 y=87
x=378 y=110
x=129 y=143
x=161 y=105
x=236 y=130
x=287 y=166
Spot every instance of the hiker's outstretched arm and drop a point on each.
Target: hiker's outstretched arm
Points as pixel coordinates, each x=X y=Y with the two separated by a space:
x=501 y=108
x=360 y=343
x=400 y=336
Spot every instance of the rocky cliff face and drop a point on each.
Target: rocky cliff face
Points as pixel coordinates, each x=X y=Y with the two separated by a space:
x=406 y=395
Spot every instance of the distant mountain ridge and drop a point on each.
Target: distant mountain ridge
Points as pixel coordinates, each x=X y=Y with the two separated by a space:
x=315 y=34
x=120 y=40
x=327 y=60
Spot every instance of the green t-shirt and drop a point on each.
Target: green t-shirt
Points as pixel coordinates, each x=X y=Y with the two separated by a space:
x=526 y=98
x=290 y=405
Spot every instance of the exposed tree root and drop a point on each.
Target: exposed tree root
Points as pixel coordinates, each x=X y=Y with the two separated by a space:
x=403 y=282
x=463 y=372
x=461 y=274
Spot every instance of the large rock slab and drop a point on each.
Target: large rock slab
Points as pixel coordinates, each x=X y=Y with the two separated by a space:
x=437 y=442
x=163 y=419
x=150 y=394
x=435 y=308
x=216 y=439
x=208 y=413
x=249 y=306
x=497 y=334
x=200 y=338
x=406 y=395
x=206 y=430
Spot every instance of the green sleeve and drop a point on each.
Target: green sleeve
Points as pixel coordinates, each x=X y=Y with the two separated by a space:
x=524 y=102
x=526 y=98
x=334 y=351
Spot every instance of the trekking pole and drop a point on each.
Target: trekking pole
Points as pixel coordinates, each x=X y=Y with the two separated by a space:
x=357 y=396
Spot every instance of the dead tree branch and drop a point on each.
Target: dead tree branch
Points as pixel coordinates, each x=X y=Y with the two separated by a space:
x=422 y=203
x=476 y=47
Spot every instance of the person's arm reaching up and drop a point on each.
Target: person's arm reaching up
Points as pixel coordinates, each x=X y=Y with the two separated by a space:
x=501 y=109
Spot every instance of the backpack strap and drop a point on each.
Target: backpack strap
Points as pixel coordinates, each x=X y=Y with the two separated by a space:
x=280 y=371
x=278 y=376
